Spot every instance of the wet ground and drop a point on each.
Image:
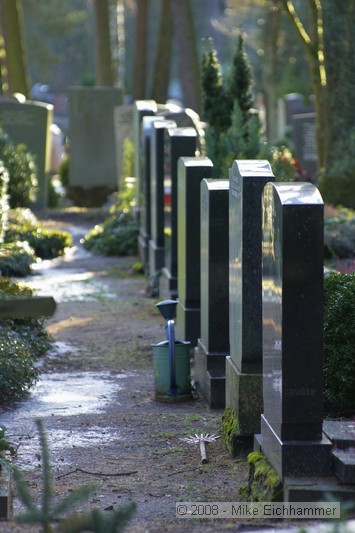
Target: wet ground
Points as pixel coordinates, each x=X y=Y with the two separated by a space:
x=96 y=398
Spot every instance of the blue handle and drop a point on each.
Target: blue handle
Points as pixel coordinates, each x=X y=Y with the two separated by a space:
x=171 y=338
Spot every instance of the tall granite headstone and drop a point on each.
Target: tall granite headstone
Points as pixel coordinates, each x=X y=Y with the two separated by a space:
x=141 y=108
x=305 y=142
x=157 y=173
x=292 y=284
x=144 y=200
x=244 y=365
x=29 y=123
x=213 y=344
x=93 y=171
x=191 y=170
x=179 y=142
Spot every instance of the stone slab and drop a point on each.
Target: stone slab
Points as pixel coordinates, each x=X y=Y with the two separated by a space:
x=344 y=465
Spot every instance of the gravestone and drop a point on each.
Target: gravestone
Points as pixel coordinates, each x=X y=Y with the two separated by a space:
x=157 y=161
x=191 y=171
x=292 y=248
x=179 y=142
x=244 y=365
x=144 y=200
x=305 y=141
x=41 y=306
x=93 y=171
x=123 y=128
x=141 y=108
x=213 y=344
x=29 y=123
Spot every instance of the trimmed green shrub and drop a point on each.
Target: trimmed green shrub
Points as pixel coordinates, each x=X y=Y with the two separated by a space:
x=117 y=236
x=339 y=234
x=16 y=259
x=339 y=342
x=22 y=341
x=46 y=243
x=20 y=164
x=4 y=200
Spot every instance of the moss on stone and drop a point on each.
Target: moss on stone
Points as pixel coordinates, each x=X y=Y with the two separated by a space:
x=264 y=484
x=229 y=427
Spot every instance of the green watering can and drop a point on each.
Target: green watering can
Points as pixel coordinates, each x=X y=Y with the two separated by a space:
x=171 y=361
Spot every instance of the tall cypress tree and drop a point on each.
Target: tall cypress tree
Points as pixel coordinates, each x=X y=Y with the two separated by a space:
x=240 y=81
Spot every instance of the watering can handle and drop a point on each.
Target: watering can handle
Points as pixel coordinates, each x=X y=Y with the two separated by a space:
x=171 y=339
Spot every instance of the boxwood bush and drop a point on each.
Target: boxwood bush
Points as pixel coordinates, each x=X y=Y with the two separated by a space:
x=339 y=342
x=21 y=166
x=22 y=341
x=46 y=243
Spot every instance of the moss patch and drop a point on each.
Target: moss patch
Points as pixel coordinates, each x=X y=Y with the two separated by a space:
x=264 y=484
x=229 y=427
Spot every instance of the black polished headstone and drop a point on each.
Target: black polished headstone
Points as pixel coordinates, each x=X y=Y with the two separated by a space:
x=141 y=108
x=191 y=170
x=179 y=142
x=244 y=365
x=145 y=190
x=156 y=243
x=292 y=244
x=213 y=344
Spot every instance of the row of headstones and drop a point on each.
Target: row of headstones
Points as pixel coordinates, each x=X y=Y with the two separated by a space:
x=244 y=259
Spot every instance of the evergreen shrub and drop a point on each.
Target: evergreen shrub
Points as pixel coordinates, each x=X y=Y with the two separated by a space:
x=22 y=341
x=20 y=164
x=339 y=342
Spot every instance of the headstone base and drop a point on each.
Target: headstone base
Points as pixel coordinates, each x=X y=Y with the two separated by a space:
x=313 y=490
x=5 y=495
x=296 y=458
x=188 y=323
x=89 y=196
x=244 y=395
x=156 y=258
x=210 y=374
x=143 y=248
x=167 y=285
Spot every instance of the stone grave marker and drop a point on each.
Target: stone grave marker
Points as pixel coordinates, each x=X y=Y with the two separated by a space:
x=244 y=365
x=292 y=283
x=157 y=161
x=179 y=142
x=141 y=108
x=29 y=123
x=41 y=306
x=305 y=141
x=144 y=201
x=191 y=171
x=93 y=171
x=213 y=344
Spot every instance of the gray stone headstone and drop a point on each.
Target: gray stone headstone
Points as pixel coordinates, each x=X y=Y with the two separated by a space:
x=213 y=344
x=157 y=161
x=191 y=170
x=29 y=123
x=244 y=365
x=305 y=141
x=292 y=247
x=93 y=172
x=179 y=142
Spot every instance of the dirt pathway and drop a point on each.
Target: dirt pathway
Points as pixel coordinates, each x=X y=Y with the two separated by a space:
x=96 y=397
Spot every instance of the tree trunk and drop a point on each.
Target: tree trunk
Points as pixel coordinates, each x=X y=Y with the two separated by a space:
x=161 y=76
x=139 y=80
x=16 y=80
x=271 y=33
x=103 y=59
x=187 y=53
